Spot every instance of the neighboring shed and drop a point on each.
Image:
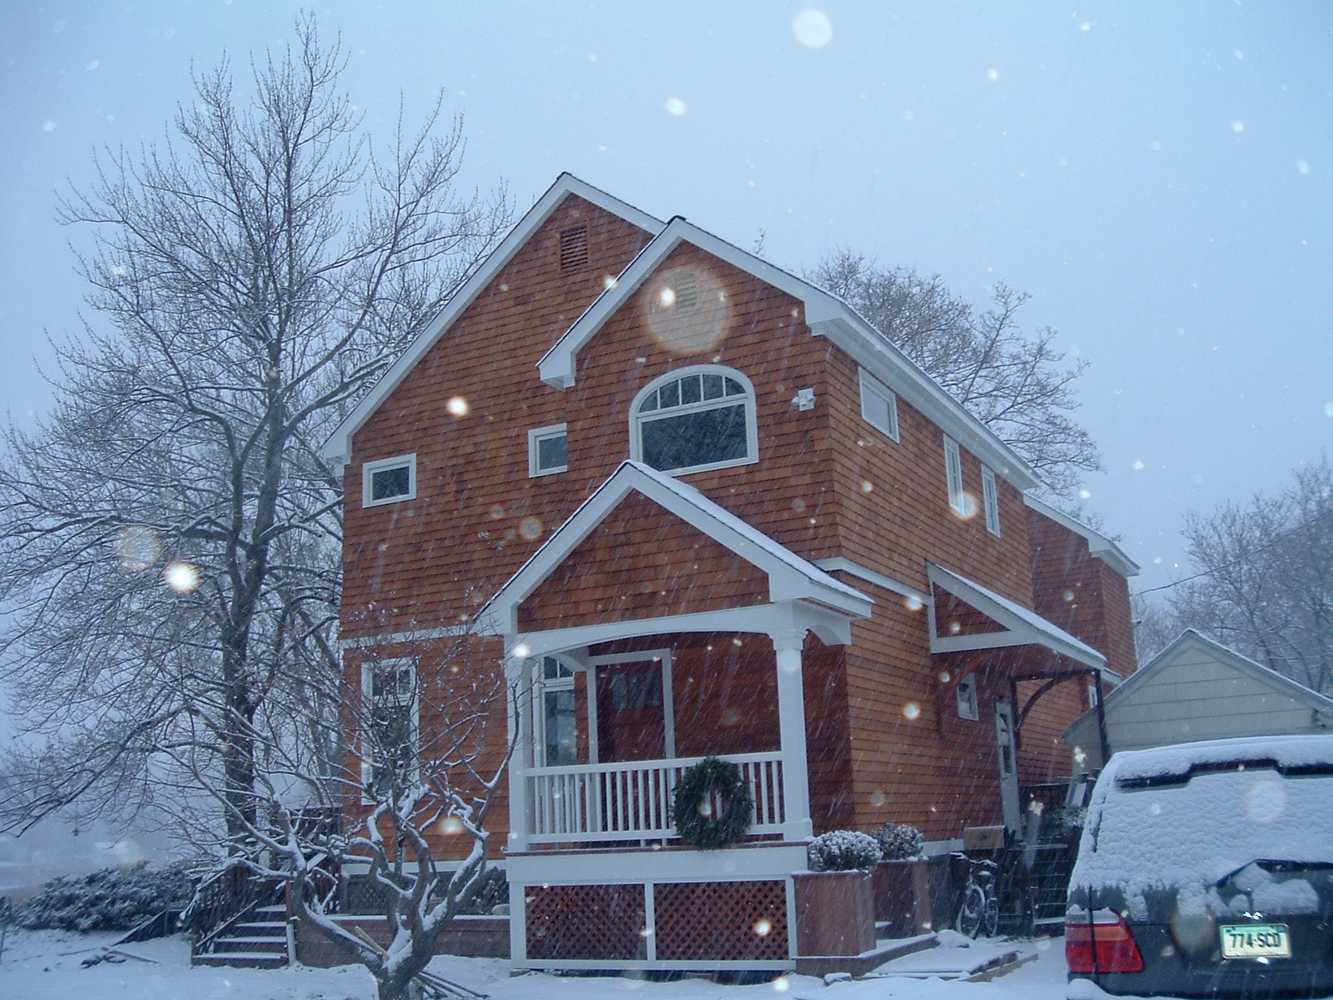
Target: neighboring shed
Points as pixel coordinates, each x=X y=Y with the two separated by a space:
x=1198 y=689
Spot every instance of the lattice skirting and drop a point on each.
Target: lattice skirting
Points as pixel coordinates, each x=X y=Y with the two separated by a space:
x=694 y=922
x=721 y=921
x=595 y=922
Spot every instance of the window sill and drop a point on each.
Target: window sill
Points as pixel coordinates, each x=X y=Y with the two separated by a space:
x=711 y=467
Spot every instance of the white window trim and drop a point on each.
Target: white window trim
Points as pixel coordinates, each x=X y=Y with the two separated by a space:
x=953 y=469
x=972 y=711
x=535 y=437
x=414 y=714
x=542 y=686
x=368 y=469
x=990 y=498
x=873 y=386
x=748 y=399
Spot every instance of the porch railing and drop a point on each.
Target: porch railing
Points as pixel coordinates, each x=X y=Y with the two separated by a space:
x=631 y=800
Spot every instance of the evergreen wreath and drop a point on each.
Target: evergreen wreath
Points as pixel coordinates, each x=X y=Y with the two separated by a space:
x=695 y=822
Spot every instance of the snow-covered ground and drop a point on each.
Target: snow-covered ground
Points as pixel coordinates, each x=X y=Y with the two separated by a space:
x=45 y=965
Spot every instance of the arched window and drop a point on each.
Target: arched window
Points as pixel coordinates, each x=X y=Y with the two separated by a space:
x=695 y=419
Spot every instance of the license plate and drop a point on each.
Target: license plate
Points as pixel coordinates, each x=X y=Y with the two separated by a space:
x=1255 y=941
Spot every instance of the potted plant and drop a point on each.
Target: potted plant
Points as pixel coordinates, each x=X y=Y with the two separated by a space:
x=835 y=905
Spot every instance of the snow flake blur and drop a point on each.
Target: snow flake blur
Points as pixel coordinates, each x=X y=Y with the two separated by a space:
x=812 y=28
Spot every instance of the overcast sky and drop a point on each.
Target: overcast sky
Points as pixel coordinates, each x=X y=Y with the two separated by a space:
x=1156 y=175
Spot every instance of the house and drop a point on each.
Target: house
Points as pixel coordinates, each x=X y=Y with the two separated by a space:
x=1198 y=689
x=695 y=505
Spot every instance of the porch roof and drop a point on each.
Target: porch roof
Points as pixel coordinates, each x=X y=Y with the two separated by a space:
x=791 y=577
x=1022 y=626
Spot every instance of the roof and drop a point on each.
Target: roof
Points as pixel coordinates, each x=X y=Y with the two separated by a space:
x=1224 y=655
x=1023 y=626
x=1099 y=545
x=791 y=577
x=825 y=314
x=338 y=447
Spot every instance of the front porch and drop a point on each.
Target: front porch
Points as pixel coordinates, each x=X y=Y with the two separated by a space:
x=652 y=630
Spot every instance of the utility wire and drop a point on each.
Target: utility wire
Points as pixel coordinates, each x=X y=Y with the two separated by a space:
x=1281 y=536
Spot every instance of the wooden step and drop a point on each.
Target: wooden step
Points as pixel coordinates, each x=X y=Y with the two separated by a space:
x=242 y=942
x=242 y=959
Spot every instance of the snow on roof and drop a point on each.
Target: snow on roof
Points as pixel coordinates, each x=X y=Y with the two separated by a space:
x=1013 y=615
x=1099 y=545
x=338 y=447
x=825 y=313
x=753 y=534
x=711 y=516
x=1225 y=655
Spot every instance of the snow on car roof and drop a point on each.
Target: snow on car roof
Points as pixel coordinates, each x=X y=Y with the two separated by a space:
x=1179 y=760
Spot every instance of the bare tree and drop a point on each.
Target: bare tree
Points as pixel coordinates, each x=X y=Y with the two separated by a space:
x=422 y=767
x=169 y=535
x=1016 y=383
x=1263 y=577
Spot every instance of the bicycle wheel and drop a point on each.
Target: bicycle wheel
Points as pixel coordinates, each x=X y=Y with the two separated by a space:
x=971 y=911
x=990 y=916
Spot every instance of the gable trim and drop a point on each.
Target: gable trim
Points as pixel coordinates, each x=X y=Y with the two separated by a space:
x=1023 y=626
x=338 y=447
x=1225 y=655
x=790 y=577
x=1099 y=546
x=825 y=314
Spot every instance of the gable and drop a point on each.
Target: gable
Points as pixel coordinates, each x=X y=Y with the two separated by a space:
x=516 y=257
x=642 y=561
x=954 y=616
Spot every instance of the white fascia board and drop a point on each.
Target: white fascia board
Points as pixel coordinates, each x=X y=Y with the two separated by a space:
x=338 y=448
x=825 y=314
x=790 y=576
x=1023 y=625
x=1099 y=546
x=841 y=564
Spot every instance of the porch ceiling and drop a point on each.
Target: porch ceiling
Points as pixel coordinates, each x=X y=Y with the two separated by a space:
x=790 y=577
x=1020 y=626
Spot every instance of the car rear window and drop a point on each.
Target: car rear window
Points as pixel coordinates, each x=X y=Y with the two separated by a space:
x=1192 y=832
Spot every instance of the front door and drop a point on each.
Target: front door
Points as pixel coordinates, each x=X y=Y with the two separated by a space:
x=631 y=712
x=1006 y=752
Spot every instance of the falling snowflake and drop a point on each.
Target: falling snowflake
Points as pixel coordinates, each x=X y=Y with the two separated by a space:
x=181 y=577
x=1137 y=465
x=92 y=64
x=911 y=711
x=1302 y=166
x=457 y=406
x=992 y=74
x=451 y=826
x=137 y=547
x=1085 y=494
x=1085 y=26
x=49 y=125
x=812 y=28
x=675 y=106
x=1238 y=126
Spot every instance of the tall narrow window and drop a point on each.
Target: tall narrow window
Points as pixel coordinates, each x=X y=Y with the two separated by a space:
x=953 y=473
x=695 y=419
x=389 y=480
x=879 y=405
x=558 y=738
x=389 y=756
x=548 y=450
x=990 y=496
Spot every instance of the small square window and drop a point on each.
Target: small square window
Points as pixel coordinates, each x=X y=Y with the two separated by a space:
x=389 y=480
x=879 y=405
x=548 y=450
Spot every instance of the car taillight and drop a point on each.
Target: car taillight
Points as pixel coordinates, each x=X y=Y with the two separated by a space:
x=1105 y=944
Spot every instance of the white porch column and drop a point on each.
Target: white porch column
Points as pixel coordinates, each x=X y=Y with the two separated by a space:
x=787 y=645
x=518 y=677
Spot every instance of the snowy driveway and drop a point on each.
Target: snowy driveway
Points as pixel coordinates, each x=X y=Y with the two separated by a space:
x=46 y=966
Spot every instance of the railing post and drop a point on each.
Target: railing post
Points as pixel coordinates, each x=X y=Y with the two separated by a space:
x=787 y=645
x=518 y=677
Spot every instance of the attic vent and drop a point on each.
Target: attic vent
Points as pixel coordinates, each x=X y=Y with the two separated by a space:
x=687 y=292
x=573 y=248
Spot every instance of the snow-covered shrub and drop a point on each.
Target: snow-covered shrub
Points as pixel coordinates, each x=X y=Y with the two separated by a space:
x=900 y=842
x=107 y=900
x=843 y=851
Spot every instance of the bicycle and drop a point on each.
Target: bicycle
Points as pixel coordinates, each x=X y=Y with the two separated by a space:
x=978 y=903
